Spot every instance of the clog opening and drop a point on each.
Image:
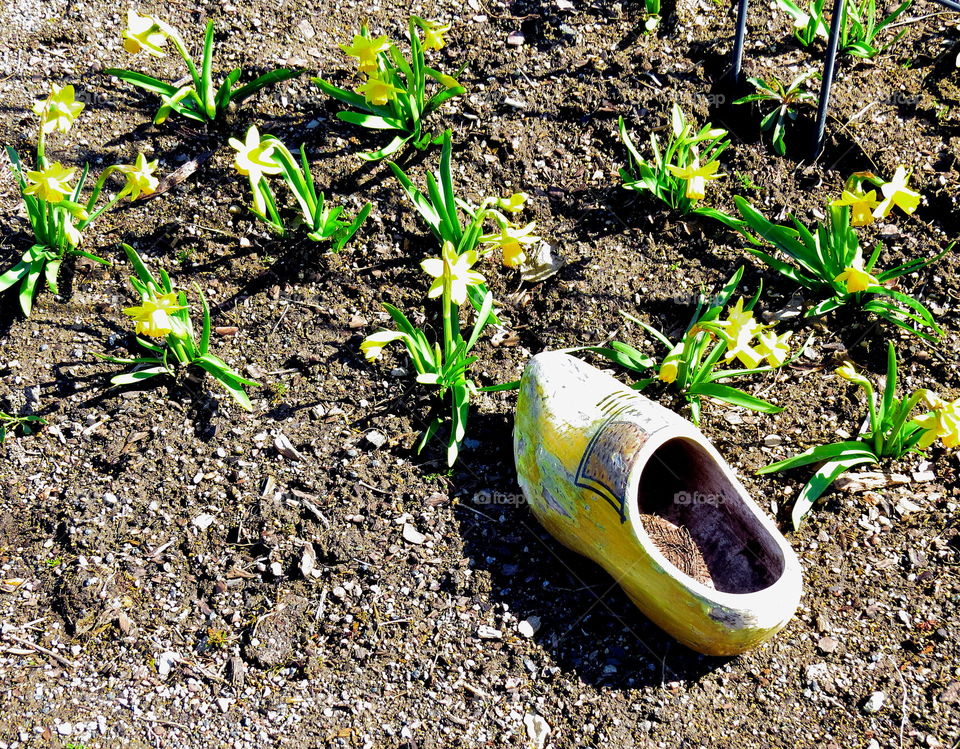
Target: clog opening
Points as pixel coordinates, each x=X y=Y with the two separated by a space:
x=700 y=523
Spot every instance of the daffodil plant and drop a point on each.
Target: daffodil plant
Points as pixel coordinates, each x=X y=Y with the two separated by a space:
x=443 y=364
x=691 y=364
x=889 y=432
x=830 y=261
x=860 y=26
x=26 y=424
x=462 y=224
x=786 y=99
x=678 y=172
x=200 y=99
x=54 y=205
x=259 y=157
x=393 y=96
x=163 y=316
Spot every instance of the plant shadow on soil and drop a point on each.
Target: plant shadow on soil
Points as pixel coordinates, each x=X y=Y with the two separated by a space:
x=589 y=626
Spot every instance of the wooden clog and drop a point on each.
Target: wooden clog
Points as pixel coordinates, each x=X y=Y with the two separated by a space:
x=638 y=489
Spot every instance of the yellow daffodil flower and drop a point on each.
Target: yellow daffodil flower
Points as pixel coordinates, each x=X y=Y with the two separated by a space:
x=513 y=204
x=775 y=349
x=511 y=240
x=372 y=346
x=896 y=193
x=253 y=155
x=366 y=50
x=143 y=34
x=861 y=206
x=140 y=179
x=942 y=422
x=696 y=177
x=378 y=91
x=739 y=345
x=59 y=110
x=51 y=184
x=433 y=32
x=670 y=366
x=72 y=233
x=856 y=278
x=452 y=270
x=153 y=318
x=737 y=318
x=255 y=159
x=847 y=372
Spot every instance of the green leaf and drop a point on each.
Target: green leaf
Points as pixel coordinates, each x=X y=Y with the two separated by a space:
x=733 y=396
x=13 y=275
x=827 y=305
x=372 y=121
x=820 y=482
x=424 y=206
x=820 y=453
x=206 y=73
x=512 y=385
x=446 y=182
x=143 y=81
x=428 y=433
x=267 y=79
x=29 y=284
x=130 y=378
x=223 y=93
x=231 y=384
x=388 y=150
x=347 y=234
x=481 y=322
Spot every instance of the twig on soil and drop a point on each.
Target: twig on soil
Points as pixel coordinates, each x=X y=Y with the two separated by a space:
x=280 y=319
x=373 y=488
x=903 y=702
x=476 y=511
x=40 y=649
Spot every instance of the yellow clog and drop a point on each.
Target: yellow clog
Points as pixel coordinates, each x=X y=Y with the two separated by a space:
x=639 y=490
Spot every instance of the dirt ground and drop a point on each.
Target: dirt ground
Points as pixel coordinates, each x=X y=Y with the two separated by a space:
x=188 y=584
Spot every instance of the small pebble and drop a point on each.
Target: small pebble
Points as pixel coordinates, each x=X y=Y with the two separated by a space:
x=412 y=535
x=874 y=702
x=828 y=645
x=375 y=438
x=529 y=626
x=485 y=632
x=203 y=521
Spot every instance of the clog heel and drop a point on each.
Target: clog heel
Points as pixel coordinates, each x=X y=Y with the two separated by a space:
x=639 y=490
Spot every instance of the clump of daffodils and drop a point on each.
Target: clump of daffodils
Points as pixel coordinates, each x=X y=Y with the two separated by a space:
x=444 y=212
x=261 y=157
x=201 y=99
x=678 y=171
x=827 y=258
x=163 y=316
x=889 y=432
x=719 y=333
x=52 y=198
x=443 y=364
x=394 y=87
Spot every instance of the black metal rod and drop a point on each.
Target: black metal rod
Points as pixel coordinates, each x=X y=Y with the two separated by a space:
x=736 y=68
x=950 y=4
x=829 y=68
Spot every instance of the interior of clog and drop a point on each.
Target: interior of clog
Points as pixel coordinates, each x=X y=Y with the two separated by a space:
x=700 y=523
